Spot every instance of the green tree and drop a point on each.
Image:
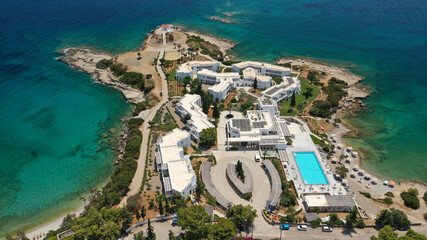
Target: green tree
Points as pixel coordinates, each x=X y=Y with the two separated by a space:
x=386 y=233
x=394 y=218
x=110 y=230
x=293 y=101
x=171 y=235
x=308 y=92
x=208 y=137
x=351 y=218
x=241 y=216
x=133 y=202
x=143 y=212
x=255 y=83
x=139 y=235
x=200 y=187
x=410 y=198
x=193 y=221
x=215 y=113
x=150 y=232
x=224 y=229
x=342 y=171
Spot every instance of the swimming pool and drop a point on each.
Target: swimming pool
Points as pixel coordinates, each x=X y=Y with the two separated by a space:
x=310 y=168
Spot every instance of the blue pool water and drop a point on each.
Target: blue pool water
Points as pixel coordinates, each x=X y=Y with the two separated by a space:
x=310 y=168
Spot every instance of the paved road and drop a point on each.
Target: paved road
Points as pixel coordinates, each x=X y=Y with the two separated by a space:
x=135 y=185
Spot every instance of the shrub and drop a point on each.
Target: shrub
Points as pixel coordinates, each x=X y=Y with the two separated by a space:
x=117 y=69
x=315 y=222
x=410 y=199
x=394 y=218
x=388 y=201
x=132 y=78
x=134 y=123
x=360 y=223
x=366 y=194
x=425 y=197
x=104 y=63
x=389 y=194
x=247 y=196
x=287 y=199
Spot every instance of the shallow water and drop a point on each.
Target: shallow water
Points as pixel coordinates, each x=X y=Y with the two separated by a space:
x=51 y=116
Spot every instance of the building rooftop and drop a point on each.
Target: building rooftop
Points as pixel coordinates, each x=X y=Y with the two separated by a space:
x=181 y=174
x=260 y=65
x=222 y=85
x=187 y=67
x=198 y=118
x=172 y=138
x=243 y=124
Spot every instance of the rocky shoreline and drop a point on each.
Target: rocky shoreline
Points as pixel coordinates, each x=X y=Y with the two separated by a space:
x=85 y=60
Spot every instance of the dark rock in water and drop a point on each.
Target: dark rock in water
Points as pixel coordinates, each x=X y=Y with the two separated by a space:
x=266 y=11
x=34 y=154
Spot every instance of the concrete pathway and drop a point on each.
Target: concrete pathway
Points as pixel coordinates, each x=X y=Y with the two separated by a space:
x=136 y=183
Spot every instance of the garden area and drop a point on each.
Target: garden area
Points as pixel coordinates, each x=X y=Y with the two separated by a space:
x=295 y=107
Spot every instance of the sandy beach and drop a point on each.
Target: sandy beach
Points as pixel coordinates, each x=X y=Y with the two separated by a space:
x=51 y=225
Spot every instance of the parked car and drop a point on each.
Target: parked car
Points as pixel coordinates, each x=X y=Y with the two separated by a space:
x=257 y=158
x=404 y=228
x=302 y=227
x=175 y=219
x=326 y=229
x=284 y=227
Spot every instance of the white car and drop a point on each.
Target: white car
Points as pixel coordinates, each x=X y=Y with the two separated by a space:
x=257 y=158
x=326 y=229
x=302 y=227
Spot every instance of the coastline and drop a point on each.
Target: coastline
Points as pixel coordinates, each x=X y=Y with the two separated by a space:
x=85 y=59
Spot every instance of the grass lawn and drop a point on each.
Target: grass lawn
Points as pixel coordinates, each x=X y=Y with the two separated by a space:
x=166 y=127
x=172 y=74
x=316 y=140
x=300 y=99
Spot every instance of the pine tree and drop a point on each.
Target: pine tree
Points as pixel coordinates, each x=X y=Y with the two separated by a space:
x=138 y=216
x=143 y=212
x=150 y=232
x=255 y=84
x=161 y=209
x=215 y=113
x=293 y=102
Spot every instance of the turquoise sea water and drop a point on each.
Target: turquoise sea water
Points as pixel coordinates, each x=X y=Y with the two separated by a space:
x=310 y=168
x=51 y=116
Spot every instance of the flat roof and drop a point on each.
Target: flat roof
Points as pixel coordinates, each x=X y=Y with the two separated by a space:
x=316 y=200
x=187 y=67
x=173 y=137
x=180 y=174
x=198 y=117
x=221 y=86
x=243 y=125
x=261 y=65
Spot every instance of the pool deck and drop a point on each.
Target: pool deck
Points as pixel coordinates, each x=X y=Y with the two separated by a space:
x=303 y=143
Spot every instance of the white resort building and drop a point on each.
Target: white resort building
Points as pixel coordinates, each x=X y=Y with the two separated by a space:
x=190 y=69
x=259 y=129
x=177 y=173
x=283 y=90
x=301 y=161
x=262 y=68
x=223 y=83
x=199 y=121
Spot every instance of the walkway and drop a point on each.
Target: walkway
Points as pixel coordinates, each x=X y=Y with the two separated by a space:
x=210 y=187
x=136 y=183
